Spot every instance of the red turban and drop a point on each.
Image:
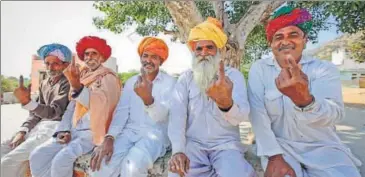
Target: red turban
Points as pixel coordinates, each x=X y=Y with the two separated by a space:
x=288 y=16
x=154 y=45
x=93 y=42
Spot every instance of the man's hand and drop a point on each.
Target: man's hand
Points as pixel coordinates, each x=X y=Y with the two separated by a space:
x=22 y=93
x=72 y=74
x=63 y=137
x=143 y=88
x=277 y=167
x=293 y=83
x=221 y=90
x=105 y=149
x=17 y=140
x=179 y=163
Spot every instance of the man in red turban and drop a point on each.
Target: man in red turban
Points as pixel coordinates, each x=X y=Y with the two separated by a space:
x=296 y=100
x=138 y=133
x=95 y=92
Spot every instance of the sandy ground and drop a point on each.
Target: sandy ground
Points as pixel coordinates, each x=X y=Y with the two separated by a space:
x=354 y=97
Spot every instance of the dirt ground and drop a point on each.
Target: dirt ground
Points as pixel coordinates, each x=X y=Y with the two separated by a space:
x=354 y=97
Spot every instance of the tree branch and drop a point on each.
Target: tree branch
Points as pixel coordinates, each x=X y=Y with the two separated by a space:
x=222 y=16
x=185 y=15
x=256 y=14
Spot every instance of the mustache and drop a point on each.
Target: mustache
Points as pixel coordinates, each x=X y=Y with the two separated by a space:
x=148 y=63
x=286 y=47
x=204 y=58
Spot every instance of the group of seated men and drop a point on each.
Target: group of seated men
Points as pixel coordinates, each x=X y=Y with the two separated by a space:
x=292 y=101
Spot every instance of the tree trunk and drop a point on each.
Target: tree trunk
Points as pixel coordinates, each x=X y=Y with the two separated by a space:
x=186 y=15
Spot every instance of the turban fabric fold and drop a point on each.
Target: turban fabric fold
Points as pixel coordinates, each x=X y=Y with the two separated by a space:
x=288 y=16
x=211 y=30
x=154 y=45
x=94 y=42
x=58 y=50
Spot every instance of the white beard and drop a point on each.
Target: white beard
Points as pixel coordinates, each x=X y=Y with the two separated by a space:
x=205 y=71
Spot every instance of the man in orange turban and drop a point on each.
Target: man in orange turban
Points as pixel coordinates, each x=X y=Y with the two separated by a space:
x=138 y=133
x=95 y=92
x=208 y=103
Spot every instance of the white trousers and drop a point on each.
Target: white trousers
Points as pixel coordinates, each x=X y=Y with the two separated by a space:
x=302 y=171
x=216 y=163
x=52 y=159
x=133 y=156
x=14 y=161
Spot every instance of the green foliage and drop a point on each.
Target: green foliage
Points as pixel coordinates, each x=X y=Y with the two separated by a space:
x=357 y=49
x=8 y=84
x=126 y=75
x=152 y=17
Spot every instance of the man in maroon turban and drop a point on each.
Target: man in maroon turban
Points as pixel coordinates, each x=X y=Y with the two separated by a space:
x=95 y=92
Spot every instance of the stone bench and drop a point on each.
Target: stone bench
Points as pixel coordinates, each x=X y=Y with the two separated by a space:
x=160 y=167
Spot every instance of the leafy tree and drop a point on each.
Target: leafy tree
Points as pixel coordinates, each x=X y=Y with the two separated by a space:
x=243 y=20
x=357 y=49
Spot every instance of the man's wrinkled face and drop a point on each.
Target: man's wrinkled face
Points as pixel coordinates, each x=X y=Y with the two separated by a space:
x=288 y=41
x=93 y=59
x=205 y=63
x=54 y=66
x=150 y=62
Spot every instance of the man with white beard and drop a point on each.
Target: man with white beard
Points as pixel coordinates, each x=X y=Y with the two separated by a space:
x=208 y=104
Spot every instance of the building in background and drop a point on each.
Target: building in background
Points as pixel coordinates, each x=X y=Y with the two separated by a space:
x=38 y=72
x=351 y=71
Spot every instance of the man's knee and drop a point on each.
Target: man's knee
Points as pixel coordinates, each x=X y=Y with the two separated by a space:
x=136 y=163
x=34 y=161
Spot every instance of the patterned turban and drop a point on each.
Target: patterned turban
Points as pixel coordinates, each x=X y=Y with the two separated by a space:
x=58 y=50
x=93 y=42
x=288 y=16
x=211 y=30
x=154 y=45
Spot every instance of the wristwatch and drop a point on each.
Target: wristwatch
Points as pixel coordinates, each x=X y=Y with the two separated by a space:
x=306 y=108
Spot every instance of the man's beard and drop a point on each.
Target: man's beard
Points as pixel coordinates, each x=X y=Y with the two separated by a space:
x=204 y=70
x=93 y=64
x=54 y=74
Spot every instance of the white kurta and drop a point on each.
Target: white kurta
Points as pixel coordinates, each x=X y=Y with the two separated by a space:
x=198 y=128
x=140 y=131
x=52 y=159
x=308 y=137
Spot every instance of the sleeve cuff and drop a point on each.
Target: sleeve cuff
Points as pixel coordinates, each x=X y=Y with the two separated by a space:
x=231 y=114
x=83 y=97
x=178 y=148
x=32 y=105
x=151 y=106
x=113 y=131
x=270 y=153
x=308 y=108
x=24 y=129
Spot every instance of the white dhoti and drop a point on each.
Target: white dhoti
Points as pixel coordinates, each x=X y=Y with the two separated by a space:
x=14 y=161
x=133 y=156
x=304 y=171
x=52 y=159
x=214 y=163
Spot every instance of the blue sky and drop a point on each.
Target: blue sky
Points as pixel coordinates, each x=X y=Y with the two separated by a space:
x=25 y=26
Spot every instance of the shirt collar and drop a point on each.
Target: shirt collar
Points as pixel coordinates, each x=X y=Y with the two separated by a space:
x=272 y=61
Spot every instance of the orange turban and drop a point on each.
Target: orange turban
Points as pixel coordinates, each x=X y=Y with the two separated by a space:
x=154 y=45
x=211 y=30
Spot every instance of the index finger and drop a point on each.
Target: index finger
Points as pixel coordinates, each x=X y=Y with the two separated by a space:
x=73 y=63
x=293 y=68
x=143 y=74
x=21 y=81
x=221 y=70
